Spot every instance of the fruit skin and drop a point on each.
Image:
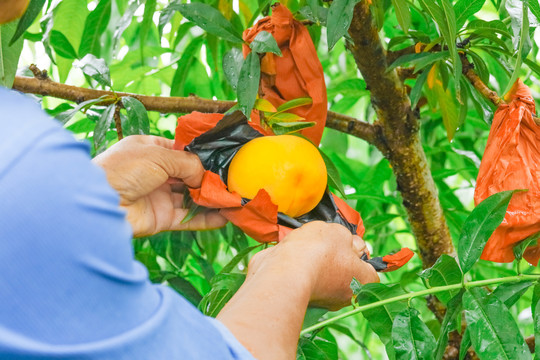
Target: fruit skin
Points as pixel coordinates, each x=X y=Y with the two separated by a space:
x=288 y=167
x=12 y=9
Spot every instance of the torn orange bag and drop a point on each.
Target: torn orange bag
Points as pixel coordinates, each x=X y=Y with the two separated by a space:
x=512 y=161
x=297 y=73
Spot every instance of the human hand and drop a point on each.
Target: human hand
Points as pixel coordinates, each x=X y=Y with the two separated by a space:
x=326 y=255
x=150 y=177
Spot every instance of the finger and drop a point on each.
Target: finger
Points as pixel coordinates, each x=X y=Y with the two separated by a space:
x=181 y=165
x=205 y=221
x=359 y=246
x=177 y=200
x=151 y=140
x=365 y=273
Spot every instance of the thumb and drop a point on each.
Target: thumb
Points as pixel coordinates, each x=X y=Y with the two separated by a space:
x=181 y=165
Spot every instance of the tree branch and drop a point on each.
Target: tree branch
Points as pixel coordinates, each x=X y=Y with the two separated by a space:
x=46 y=87
x=399 y=133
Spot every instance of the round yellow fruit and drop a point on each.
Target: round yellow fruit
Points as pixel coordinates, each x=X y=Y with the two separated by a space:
x=288 y=167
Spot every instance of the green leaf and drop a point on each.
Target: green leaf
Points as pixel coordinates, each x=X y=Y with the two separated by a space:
x=146 y=24
x=444 y=272
x=510 y=293
x=232 y=65
x=495 y=26
x=231 y=265
x=520 y=248
x=412 y=338
x=479 y=226
x=536 y=319
x=166 y=15
x=264 y=42
x=248 y=83
x=381 y=318
x=465 y=8
x=445 y=18
x=282 y=128
x=96 y=68
x=137 y=122
x=224 y=286
x=103 y=125
x=317 y=348
x=416 y=91
x=124 y=22
x=403 y=14
x=520 y=25
x=264 y=105
x=193 y=210
x=466 y=344
x=339 y=19
x=186 y=289
x=94 y=28
x=493 y=331
x=535 y=9
x=189 y=56
x=294 y=103
x=334 y=180
x=32 y=11
x=9 y=54
x=453 y=310
x=284 y=117
x=62 y=46
x=447 y=106
x=67 y=115
x=69 y=20
x=420 y=60
x=209 y=19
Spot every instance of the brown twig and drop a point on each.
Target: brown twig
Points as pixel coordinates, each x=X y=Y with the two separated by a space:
x=118 y=122
x=356 y=127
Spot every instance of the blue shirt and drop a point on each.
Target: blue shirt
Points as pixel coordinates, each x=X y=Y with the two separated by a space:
x=69 y=285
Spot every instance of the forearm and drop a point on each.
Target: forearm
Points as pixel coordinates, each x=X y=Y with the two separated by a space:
x=267 y=312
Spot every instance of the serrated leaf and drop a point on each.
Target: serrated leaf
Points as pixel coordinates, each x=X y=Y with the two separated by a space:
x=493 y=331
x=520 y=248
x=232 y=65
x=9 y=55
x=248 y=83
x=465 y=8
x=444 y=272
x=479 y=226
x=94 y=27
x=412 y=338
x=32 y=11
x=403 y=14
x=453 y=310
x=137 y=122
x=264 y=105
x=102 y=126
x=209 y=19
x=62 y=46
x=510 y=293
x=294 y=103
x=339 y=19
x=381 y=318
x=96 y=68
x=282 y=128
x=334 y=180
x=264 y=42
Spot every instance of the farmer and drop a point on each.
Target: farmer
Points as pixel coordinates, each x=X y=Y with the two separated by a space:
x=70 y=287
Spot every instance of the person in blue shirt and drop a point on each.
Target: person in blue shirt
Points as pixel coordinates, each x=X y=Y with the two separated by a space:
x=70 y=287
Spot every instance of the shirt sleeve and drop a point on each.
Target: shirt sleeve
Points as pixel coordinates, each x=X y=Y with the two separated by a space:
x=69 y=284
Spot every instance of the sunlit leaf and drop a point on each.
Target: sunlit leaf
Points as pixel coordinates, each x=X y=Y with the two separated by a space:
x=282 y=128
x=62 y=46
x=146 y=24
x=264 y=105
x=403 y=14
x=465 y=8
x=95 y=26
x=32 y=11
x=102 y=126
x=96 y=68
x=291 y=104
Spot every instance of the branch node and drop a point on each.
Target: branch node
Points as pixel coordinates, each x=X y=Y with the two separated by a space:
x=39 y=74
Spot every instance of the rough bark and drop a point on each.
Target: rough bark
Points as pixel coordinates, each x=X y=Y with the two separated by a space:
x=400 y=138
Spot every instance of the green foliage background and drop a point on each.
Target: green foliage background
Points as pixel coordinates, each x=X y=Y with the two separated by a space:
x=149 y=47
